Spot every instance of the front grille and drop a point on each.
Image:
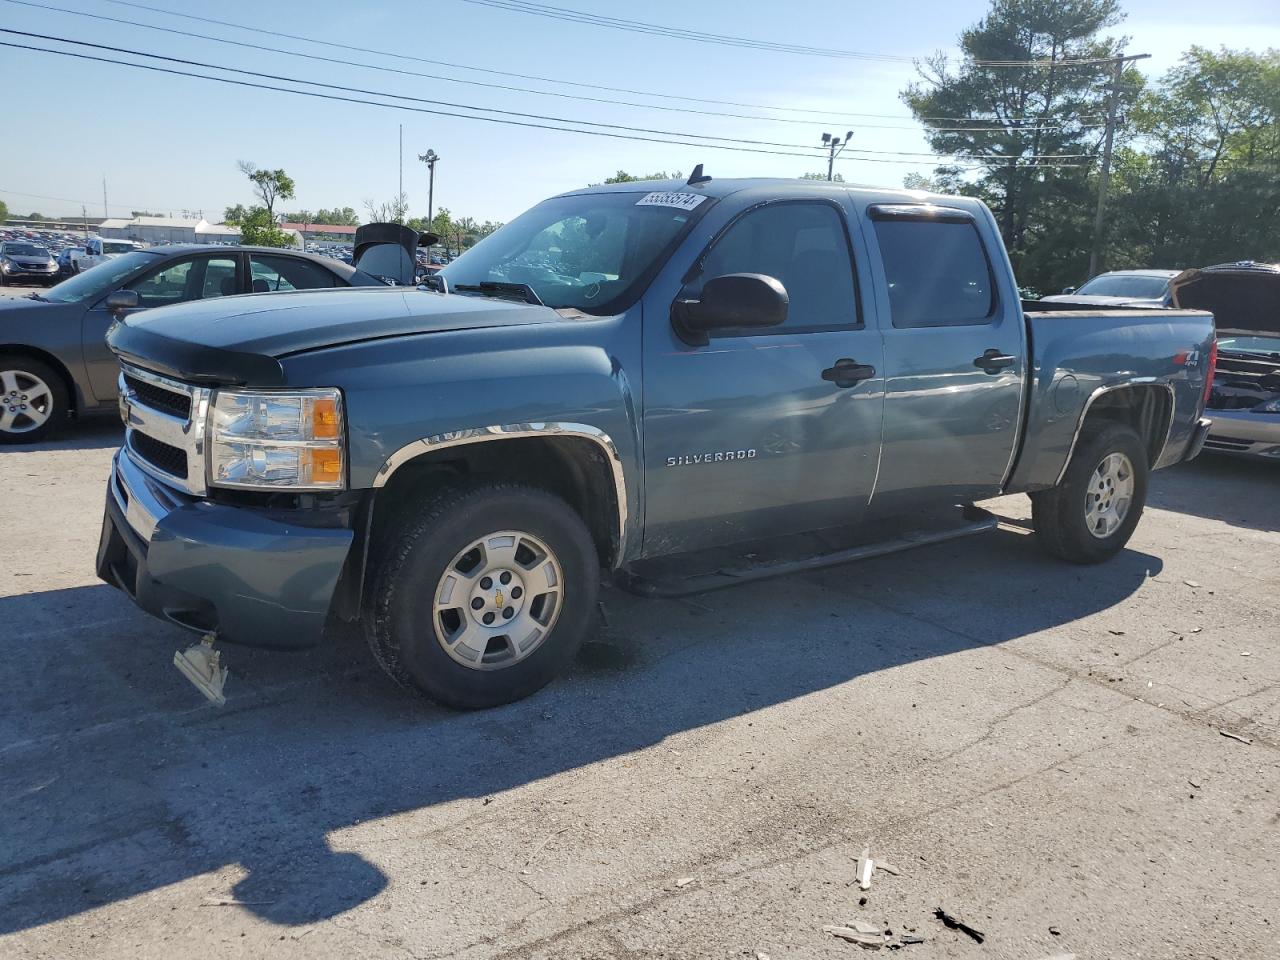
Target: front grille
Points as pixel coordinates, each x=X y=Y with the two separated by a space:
x=177 y=404
x=162 y=456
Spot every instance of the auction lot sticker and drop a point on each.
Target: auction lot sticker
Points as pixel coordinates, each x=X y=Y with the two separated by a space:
x=682 y=201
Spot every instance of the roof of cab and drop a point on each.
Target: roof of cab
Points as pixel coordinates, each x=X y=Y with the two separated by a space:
x=719 y=188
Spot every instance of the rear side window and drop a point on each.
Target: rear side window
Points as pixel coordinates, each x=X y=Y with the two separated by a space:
x=804 y=246
x=271 y=273
x=937 y=272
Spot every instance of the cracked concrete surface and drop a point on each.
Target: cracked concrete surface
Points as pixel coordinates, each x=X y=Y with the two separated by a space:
x=1033 y=745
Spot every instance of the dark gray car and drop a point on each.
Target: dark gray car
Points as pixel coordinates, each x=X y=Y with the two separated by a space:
x=54 y=360
x=22 y=261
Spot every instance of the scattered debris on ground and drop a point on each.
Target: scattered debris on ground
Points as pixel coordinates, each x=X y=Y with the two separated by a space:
x=1235 y=736
x=952 y=923
x=866 y=866
x=863 y=934
x=685 y=881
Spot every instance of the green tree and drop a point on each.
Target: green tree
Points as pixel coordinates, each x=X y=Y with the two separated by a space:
x=1029 y=132
x=395 y=210
x=234 y=214
x=144 y=213
x=259 y=229
x=623 y=177
x=4 y=211
x=269 y=185
x=338 y=216
x=821 y=176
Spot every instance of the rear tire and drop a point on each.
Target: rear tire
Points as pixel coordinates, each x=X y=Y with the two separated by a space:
x=486 y=595
x=1092 y=513
x=33 y=399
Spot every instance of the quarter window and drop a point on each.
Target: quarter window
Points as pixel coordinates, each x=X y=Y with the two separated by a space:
x=802 y=245
x=937 y=273
x=271 y=273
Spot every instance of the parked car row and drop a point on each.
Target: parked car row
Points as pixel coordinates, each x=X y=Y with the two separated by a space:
x=54 y=360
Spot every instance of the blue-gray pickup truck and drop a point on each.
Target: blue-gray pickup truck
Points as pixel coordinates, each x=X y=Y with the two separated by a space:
x=686 y=384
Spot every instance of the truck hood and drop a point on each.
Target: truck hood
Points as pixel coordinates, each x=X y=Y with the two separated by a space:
x=1243 y=297
x=241 y=339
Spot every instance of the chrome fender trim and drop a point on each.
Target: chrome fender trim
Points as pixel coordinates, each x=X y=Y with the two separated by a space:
x=510 y=431
x=1110 y=388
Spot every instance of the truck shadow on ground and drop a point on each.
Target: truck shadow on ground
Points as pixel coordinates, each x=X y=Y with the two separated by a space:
x=1244 y=491
x=117 y=780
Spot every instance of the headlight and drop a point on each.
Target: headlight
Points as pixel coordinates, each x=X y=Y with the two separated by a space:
x=1268 y=406
x=290 y=439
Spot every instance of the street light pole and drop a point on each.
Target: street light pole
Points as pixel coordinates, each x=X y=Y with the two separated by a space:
x=832 y=143
x=1104 y=175
x=430 y=158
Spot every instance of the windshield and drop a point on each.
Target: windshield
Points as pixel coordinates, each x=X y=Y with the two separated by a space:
x=109 y=247
x=593 y=252
x=98 y=280
x=1126 y=285
x=1268 y=345
x=22 y=250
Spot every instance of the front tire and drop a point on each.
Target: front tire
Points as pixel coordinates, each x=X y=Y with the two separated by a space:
x=1092 y=513
x=33 y=399
x=485 y=597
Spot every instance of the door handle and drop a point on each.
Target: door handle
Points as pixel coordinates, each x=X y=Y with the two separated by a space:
x=993 y=361
x=848 y=373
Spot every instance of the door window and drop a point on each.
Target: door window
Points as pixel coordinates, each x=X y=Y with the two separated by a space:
x=190 y=279
x=271 y=273
x=805 y=247
x=937 y=273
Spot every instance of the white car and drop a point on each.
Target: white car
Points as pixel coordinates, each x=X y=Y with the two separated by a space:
x=97 y=250
x=1121 y=288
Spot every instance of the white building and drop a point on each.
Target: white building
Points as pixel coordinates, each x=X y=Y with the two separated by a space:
x=169 y=230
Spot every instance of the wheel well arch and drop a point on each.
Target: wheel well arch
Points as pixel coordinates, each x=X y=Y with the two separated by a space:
x=581 y=468
x=1146 y=408
x=35 y=353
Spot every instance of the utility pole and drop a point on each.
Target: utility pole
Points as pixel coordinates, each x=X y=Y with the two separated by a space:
x=831 y=143
x=400 y=196
x=84 y=221
x=1104 y=175
x=430 y=158
x=105 y=214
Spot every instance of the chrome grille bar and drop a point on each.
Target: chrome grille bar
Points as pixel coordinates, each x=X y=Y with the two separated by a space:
x=185 y=435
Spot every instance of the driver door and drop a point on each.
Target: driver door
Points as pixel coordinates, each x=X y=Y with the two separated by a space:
x=756 y=433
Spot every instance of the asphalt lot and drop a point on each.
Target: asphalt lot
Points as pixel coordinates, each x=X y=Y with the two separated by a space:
x=1036 y=747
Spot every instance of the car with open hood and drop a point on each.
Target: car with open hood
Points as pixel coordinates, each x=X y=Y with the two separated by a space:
x=1244 y=404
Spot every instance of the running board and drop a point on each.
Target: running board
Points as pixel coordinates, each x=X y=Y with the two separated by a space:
x=676 y=585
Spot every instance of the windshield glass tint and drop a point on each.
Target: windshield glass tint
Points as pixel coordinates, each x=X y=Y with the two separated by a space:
x=592 y=252
x=100 y=279
x=1250 y=344
x=22 y=250
x=1118 y=285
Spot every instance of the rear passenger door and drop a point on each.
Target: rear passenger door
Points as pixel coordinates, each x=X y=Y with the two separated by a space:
x=954 y=357
x=271 y=272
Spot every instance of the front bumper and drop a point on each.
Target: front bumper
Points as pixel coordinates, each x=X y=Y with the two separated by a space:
x=1244 y=433
x=246 y=576
x=30 y=273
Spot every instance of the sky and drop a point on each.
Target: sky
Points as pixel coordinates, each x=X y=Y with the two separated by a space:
x=169 y=143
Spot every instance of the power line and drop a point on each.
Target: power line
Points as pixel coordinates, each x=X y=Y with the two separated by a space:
x=472 y=107
x=503 y=73
x=492 y=86
x=680 y=33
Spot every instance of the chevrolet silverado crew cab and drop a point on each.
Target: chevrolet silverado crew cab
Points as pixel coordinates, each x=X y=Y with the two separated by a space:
x=681 y=383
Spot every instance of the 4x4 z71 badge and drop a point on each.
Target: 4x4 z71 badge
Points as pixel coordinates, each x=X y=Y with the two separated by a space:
x=718 y=456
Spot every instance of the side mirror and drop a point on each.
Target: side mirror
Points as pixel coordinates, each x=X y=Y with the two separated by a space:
x=733 y=301
x=122 y=301
x=1068 y=289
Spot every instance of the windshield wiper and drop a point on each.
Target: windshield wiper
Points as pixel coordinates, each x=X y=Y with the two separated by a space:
x=492 y=288
x=35 y=296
